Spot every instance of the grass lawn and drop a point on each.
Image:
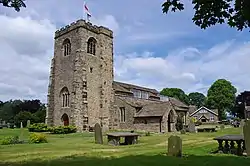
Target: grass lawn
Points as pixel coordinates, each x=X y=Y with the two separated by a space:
x=80 y=149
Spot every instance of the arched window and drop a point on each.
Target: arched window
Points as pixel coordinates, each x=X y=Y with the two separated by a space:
x=66 y=47
x=65 y=97
x=91 y=46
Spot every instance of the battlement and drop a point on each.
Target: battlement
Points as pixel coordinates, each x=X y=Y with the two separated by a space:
x=87 y=25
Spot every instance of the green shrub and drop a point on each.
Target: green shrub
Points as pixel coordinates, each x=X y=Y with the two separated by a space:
x=37 y=138
x=147 y=133
x=11 y=140
x=63 y=129
x=38 y=127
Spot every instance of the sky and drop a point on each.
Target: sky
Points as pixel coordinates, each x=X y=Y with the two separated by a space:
x=151 y=48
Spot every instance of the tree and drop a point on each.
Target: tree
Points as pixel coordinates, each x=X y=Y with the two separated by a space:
x=197 y=99
x=23 y=117
x=221 y=95
x=16 y=4
x=176 y=93
x=236 y=13
x=242 y=100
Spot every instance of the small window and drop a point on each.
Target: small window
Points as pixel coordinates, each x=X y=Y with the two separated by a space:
x=122 y=114
x=66 y=47
x=211 y=118
x=91 y=46
x=91 y=69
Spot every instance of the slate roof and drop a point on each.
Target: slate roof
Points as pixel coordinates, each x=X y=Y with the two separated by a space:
x=150 y=107
x=213 y=111
x=154 y=110
x=178 y=105
x=192 y=109
x=120 y=86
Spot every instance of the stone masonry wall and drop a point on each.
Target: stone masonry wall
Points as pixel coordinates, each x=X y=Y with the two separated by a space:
x=78 y=69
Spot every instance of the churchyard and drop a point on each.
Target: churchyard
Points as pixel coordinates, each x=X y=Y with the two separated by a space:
x=84 y=149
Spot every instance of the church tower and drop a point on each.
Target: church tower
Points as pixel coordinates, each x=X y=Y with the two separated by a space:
x=80 y=89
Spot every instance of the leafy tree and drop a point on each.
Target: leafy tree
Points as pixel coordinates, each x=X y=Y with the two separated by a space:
x=242 y=100
x=176 y=93
x=10 y=109
x=16 y=4
x=197 y=99
x=23 y=117
x=236 y=13
x=221 y=95
x=40 y=115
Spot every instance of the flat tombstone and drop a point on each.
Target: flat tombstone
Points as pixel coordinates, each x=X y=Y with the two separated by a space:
x=246 y=132
x=174 y=146
x=28 y=123
x=98 y=134
x=191 y=127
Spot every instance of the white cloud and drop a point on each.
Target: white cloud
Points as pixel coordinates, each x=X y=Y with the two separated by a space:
x=229 y=60
x=26 y=50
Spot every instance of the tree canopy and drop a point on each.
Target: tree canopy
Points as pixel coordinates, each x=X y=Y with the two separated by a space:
x=221 y=95
x=242 y=100
x=176 y=93
x=16 y=4
x=15 y=111
x=236 y=13
x=197 y=99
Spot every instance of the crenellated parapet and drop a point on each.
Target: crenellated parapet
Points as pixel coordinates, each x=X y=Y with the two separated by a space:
x=86 y=25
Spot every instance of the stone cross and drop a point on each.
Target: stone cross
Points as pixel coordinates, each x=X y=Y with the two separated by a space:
x=174 y=146
x=98 y=134
x=246 y=132
x=191 y=127
x=21 y=125
x=28 y=123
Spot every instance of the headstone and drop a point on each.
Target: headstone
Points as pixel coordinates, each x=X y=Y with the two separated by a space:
x=242 y=123
x=4 y=123
x=174 y=146
x=21 y=125
x=98 y=134
x=246 y=133
x=28 y=123
x=191 y=127
x=105 y=128
x=222 y=126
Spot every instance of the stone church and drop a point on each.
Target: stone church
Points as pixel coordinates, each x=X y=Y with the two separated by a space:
x=82 y=90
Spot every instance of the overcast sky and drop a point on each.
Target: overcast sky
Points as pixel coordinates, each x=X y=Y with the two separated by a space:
x=151 y=49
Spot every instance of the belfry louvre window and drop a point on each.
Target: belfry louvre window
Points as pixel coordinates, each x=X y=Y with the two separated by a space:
x=66 y=47
x=91 y=46
x=122 y=114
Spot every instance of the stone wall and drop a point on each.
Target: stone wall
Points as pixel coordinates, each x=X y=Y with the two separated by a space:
x=151 y=124
x=88 y=77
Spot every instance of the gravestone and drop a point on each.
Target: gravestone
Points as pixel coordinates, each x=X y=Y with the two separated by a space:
x=21 y=125
x=191 y=127
x=174 y=146
x=28 y=123
x=242 y=123
x=246 y=133
x=98 y=134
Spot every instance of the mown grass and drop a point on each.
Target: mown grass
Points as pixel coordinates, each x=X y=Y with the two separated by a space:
x=80 y=149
